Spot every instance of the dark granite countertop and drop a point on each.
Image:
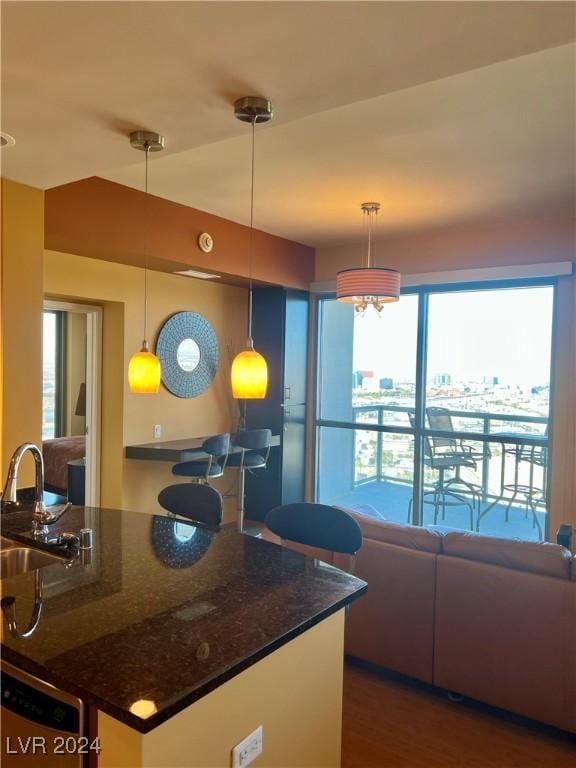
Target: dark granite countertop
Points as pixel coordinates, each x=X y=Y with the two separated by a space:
x=165 y=611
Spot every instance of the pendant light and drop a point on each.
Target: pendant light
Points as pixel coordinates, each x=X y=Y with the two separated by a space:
x=144 y=370
x=367 y=285
x=249 y=373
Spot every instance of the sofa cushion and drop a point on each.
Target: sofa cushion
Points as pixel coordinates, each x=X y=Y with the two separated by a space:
x=392 y=625
x=537 y=557
x=410 y=536
x=507 y=637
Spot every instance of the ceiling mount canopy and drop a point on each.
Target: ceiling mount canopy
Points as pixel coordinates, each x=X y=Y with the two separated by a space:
x=147 y=141
x=368 y=285
x=253 y=109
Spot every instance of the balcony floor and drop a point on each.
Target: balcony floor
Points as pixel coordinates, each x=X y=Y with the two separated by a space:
x=391 y=499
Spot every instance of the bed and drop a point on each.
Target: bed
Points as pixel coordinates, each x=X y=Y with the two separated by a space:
x=57 y=453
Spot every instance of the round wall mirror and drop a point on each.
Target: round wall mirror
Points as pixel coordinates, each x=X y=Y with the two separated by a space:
x=188 y=355
x=188 y=350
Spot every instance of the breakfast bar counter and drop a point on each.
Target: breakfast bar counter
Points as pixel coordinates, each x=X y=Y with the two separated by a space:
x=165 y=614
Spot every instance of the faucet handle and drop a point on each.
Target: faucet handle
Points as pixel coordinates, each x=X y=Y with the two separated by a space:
x=68 y=539
x=86 y=538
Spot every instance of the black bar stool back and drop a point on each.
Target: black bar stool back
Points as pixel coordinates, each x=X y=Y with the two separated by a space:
x=198 y=502
x=316 y=525
x=204 y=470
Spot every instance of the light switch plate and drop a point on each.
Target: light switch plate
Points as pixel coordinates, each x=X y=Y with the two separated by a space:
x=157 y=431
x=248 y=750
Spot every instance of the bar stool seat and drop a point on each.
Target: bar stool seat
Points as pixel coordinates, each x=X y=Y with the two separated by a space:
x=197 y=469
x=248 y=461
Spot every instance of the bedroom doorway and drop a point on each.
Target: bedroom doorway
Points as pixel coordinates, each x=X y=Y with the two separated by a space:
x=71 y=365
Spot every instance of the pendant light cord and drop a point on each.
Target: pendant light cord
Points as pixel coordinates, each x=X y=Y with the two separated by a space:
x=250 y=341
x=369 y=213
x=146 y=244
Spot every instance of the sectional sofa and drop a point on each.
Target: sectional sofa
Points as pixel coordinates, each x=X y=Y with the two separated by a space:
x=493 y=619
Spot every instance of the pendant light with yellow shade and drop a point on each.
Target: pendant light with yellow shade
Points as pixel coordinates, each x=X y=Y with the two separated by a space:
x=144 y=372
x=249 y=372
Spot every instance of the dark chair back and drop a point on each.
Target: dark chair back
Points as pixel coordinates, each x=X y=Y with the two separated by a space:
x=198 y=502
x=316 y=525
x=254 y=439
x=217 y=446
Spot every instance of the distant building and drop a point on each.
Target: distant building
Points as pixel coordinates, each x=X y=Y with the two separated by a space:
x=386 y=383
x=442 y=379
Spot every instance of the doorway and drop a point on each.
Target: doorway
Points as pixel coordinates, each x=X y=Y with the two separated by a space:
x=71 y=366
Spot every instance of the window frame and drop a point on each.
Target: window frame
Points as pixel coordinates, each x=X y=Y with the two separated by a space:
x=59 y=371
x=421 y=431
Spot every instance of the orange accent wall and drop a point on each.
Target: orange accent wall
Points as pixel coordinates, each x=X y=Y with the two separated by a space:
x=104 y=220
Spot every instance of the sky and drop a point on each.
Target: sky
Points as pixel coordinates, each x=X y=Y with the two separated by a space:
x=49 y=337
x=472 y=335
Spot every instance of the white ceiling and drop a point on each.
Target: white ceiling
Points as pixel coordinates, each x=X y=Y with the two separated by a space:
x=443 y=111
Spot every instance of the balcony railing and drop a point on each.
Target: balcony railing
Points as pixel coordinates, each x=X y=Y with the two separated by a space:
x=485 y=421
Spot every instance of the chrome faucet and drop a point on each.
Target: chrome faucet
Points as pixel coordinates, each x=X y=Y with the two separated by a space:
x=41 y=517
x=8 y=605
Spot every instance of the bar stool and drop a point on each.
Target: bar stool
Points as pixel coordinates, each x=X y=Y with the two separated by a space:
x=441 y=496
x=199 y=502
x=441 y=419
x=204 y=470
x=254 y=445
x=317 y=526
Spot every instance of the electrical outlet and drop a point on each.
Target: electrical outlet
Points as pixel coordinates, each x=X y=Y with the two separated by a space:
x=157 y=431
x=248 y=750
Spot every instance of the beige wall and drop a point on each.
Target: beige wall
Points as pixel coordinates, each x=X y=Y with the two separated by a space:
x=295 y=694
x=127 y=418
x=22 y=249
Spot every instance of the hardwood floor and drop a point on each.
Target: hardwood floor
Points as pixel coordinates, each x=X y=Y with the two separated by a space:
x=391 y=721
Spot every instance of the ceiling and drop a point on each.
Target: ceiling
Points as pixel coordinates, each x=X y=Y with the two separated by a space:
x=443 y=111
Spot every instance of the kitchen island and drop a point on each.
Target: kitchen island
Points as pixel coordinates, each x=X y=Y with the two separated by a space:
x=182 y=640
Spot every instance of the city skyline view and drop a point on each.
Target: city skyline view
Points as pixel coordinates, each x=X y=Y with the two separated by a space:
x=474 y=336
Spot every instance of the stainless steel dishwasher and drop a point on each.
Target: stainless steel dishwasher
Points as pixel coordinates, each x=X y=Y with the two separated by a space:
x=41 y=725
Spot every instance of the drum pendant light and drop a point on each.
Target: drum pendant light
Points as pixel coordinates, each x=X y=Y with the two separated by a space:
x=249 y=372
x=144 y=370
x=365 y=286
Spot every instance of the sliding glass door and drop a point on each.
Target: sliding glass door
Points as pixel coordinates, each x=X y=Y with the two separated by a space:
x=437 y=411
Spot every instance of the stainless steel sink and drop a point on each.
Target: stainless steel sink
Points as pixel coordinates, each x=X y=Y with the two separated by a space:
x=16 y=559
